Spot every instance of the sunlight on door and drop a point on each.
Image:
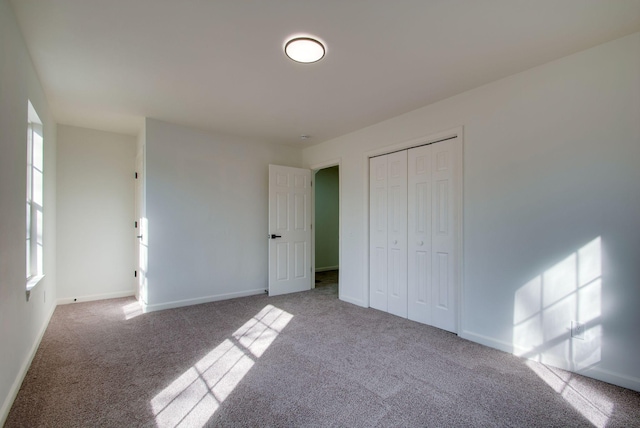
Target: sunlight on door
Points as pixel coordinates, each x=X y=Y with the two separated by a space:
x=546 y=307
x=194 y=397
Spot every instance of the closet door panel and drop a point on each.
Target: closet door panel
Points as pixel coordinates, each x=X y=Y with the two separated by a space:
x=419 y=235
x=397 y=234
x=444 y=234
x=378 y=220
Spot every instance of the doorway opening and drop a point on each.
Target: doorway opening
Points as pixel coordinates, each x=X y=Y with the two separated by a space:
x=326 y=230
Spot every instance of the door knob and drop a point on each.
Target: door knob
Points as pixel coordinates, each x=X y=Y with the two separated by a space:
x=275 y=236
x=139 y=236
x=395 y=242
x=421 y=243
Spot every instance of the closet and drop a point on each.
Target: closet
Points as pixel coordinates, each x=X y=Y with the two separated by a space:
x=414 y=232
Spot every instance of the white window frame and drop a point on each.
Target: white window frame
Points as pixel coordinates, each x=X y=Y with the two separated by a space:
x=34 y=200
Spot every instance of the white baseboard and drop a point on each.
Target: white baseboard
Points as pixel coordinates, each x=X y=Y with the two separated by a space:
x=199 y=300
x=594 y=372
x=353 y=301
x=93 y=297
x=624 y=381
x=326 y=268
x=487 y=341
x=17 y=383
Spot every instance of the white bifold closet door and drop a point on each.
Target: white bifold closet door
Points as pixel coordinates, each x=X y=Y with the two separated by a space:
x=414 y=233
x=388 y=229
x=432 y=235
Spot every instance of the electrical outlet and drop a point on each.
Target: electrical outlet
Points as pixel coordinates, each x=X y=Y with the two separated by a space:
x=577 y=330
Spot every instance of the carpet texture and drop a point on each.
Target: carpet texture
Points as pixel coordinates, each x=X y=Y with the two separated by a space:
x=305 y=359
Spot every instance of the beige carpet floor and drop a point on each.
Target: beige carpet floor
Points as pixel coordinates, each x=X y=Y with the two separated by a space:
x=305 y=359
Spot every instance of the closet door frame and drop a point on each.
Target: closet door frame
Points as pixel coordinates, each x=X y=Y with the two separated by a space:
x=459 y=211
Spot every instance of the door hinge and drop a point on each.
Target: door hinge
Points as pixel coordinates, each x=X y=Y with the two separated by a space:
x=135 y=224
x=135 y=273
x=311 y=226
x=136 y=175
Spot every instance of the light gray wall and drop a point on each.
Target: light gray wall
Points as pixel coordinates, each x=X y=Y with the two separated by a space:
x=95 y=214
x=22 y=323
x=327 y=193
x=207 y=208
x=551 y=164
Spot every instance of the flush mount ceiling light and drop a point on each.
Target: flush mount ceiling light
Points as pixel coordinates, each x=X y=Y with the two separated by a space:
x=304 y=49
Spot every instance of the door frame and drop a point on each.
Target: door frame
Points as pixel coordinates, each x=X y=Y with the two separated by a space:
x=314 y=169
x=429 y=139
x=140 y=201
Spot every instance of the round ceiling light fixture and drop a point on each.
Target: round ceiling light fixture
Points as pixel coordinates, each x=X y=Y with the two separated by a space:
x=304 y=49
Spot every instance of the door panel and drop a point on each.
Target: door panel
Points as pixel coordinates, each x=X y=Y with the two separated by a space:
x=289 y=219
x=397 y=233
x=419 y=235
x=378 y=233
x=444 y=239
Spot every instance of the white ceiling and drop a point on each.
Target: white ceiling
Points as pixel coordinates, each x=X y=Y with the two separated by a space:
x=219 y=64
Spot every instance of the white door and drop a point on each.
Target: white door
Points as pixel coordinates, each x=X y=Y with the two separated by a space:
x=289 y=230
x=397 y=234
x=415 y=200
x=446 y=198
x=388 y=233
x=419 y=234
x=433 y=233
x=378 y=233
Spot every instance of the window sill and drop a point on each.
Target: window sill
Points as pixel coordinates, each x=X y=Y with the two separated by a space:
x=32 y=282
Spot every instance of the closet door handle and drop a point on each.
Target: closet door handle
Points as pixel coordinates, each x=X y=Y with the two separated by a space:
x=420 y=243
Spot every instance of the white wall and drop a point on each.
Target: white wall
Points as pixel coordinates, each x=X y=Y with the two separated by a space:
x=207 y=208
x=95 y=214
x=22 y=323
x=551 y=163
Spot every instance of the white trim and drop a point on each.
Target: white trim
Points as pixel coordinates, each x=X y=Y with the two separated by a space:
x=457 y=132
x=460 y=243
x=17 y=383
x=199 y=300
x=353 y=301
x=614 y=378
x=93 y=297
x=327 y=268
x=597 y=373
x=487 y=341
x=314 y=169
x=32 y=281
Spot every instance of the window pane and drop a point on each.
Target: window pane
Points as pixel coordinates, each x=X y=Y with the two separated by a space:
x=39 y=221
x=28 y=219
x=37 y=187
x=38 y=150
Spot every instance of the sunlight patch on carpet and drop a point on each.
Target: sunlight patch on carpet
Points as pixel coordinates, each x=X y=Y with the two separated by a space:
x=587 y=401
x=195 y=396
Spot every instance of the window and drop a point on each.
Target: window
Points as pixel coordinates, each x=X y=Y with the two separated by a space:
x=35 y=198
